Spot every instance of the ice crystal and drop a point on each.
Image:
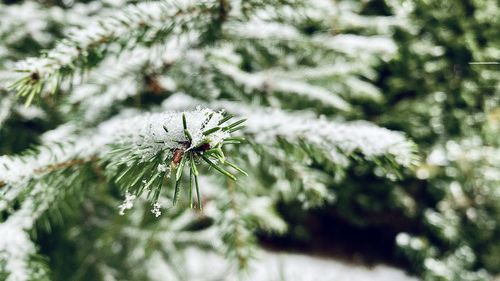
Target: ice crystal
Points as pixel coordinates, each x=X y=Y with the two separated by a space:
x=128 y=203
x=156 y=210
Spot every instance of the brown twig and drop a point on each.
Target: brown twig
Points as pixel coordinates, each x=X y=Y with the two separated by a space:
x=62 y=165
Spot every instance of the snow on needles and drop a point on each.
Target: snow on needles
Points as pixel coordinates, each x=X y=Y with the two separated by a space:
x=337 y=138
x=372 y=141
x=261 y=81
x=144 y=134
x=16 y=247
x=153 y=14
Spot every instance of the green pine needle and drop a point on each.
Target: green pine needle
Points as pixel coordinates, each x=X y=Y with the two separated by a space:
x=193 y=166
x=176 y=191
x=234 y=129
x=190 y=190
x=229 y=116
x=198 y=197
x=210 y=131
x=233 y=125
x=184 y=122
x=188 y=135
x=235 y=139
x=178 y=173
x=178 y=178
x=235 y=167
x=221 y=170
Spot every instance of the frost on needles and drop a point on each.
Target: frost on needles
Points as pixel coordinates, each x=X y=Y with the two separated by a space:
x=121 y=70
x=137 y=24
x=135 y=148
x=139 y=153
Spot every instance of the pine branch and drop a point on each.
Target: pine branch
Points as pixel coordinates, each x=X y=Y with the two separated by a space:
x=137 y=142
x=28 y=19
x=274 y=83
x=352 y=45
x=296 y=180
x=17 y=251
x=239 y=213
x=18 y=258
x=239 y=236
x=266 y=82
x=139 y=145
x=115 y=80
x=40 y=25
x=334 y=141
x=142 y=23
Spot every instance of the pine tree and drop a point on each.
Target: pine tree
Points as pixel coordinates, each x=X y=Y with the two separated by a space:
x=455 y=112
x=133 y=132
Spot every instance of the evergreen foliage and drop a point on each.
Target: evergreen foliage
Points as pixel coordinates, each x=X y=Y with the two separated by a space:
x=132 y=132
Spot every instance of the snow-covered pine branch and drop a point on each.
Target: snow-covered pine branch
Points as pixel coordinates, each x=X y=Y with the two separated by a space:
x=336 y=141
x=325 y=87
x=138 y=153
x=345 y=43
x=116 y=79
x=36 y=23
x=6 y=104
x=29 y=19
x=323 y=57
x=124 y=144
x=267 y=83
x=18 y=260
x=142 y=23
x=331 y=83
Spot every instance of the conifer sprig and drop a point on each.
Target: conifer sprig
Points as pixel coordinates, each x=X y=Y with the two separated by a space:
x=137 y=24
x=144 y=151
x=191 y=146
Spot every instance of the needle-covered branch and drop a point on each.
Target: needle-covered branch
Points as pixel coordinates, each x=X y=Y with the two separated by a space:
x=137 y=24
x=135 y=150
x=336 y=142
x=138 y=153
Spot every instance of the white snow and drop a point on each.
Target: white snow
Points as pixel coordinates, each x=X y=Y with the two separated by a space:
x=357 y=45
x=156 y=210
x=115 y=25
x=145 y=134
x=16 y=246
x=282 y=266
x=259 y=29
x=128 y=203
x=6 y=104
x=265 y=81
x=336 y=138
